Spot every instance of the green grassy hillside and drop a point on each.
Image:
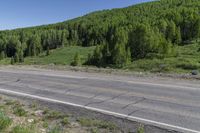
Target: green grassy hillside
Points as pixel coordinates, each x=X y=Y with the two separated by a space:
x=186 y=60
x=60 y=56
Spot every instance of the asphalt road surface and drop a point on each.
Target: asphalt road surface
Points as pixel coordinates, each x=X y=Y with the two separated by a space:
x=169 y=103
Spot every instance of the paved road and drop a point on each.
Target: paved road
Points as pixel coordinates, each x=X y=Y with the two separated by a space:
x=168 y=103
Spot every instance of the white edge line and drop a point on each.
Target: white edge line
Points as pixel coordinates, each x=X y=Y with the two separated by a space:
x=103 y=111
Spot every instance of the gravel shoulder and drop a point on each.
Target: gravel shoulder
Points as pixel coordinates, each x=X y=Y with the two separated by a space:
x=110 y=73
x=107 y=71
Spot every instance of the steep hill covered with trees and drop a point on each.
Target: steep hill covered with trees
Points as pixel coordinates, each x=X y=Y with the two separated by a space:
x=152 y=29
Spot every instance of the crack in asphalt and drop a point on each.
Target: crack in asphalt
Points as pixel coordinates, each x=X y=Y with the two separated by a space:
x=95 y=96
x=106 y=100
x=134 y=103
x=18 y=80
x=95 y=102
x=6 y=82
x=133 y=112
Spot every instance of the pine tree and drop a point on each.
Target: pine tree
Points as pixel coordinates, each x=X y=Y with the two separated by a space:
x=12 y=61
x=120 y=53
x=171 y=31
x=21 y=56
x=64 y=41
x=77 y=60
x=143 y=40
x=165 y=47
x=162 y=25
x=89 y=59
x=16 y=58
x=35 y=45
x=2 y=55
x=196 y=28
x=107 y=59
x=178 y=38
x=128 y=55
x=97 y=56
x=47 y=51
x=119 y=56
x=12 y=46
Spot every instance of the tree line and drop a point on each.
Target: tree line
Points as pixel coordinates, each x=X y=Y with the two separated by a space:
x=120 y=35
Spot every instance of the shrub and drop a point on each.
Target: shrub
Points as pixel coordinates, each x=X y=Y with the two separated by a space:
x=16 y=58
x=53 y=115
x=55 y=130
x=65 y=121
x=19 y=111
x=140 y=129
x=21 y=57
x=77 y=60
x=47 y=52
x=2 y=55
x=198 y=50
x=4 y=121
x=22 y=129
x=188 y=66
x=96 y=123
x=11 y=102
x=85 y=122
x=12 y=61
x=45 y=124
x=94 y=130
